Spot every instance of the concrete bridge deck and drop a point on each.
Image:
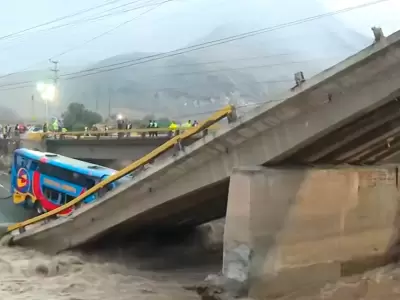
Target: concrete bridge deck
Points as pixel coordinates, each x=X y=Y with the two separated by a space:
x=347 y=113
x=127 y=148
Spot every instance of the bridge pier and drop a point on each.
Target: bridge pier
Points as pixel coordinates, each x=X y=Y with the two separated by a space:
x=291 y=229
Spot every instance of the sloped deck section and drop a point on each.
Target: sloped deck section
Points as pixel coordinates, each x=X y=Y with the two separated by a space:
x=192 y=188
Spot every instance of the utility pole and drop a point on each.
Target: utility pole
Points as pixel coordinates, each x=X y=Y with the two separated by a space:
x=33 y=108
x=109 y=102
x=55 y=71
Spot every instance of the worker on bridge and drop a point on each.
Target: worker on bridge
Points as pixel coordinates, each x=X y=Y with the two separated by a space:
x=55 y=125
x=149 y=126
x=187 y=125
x=155 y=125
x=172 y=128
x=129 y=127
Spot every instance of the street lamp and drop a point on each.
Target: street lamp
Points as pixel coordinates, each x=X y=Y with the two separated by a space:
x=47 y=93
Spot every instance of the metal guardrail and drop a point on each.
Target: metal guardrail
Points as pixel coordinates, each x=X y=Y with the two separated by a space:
x=120 y=133
x=228 y=112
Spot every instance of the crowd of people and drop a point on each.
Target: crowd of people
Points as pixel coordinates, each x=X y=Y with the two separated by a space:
x=8 y=131
x=174 y=127
x=177 y=128
x=56 y=125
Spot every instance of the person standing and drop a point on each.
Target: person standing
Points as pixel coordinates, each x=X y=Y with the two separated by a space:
x=150 y=126
x=155 y=125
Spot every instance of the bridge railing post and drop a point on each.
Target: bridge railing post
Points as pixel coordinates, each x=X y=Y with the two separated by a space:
x=178 y=147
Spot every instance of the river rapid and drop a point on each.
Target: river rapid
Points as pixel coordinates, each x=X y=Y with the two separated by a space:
x=121 y=274
x=31 y=275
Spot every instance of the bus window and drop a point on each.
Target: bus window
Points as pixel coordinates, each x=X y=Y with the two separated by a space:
x=62 y=174
x=66 y=199
x=52 y=195
x=66 y=175
x=20 y=161
x=90 y=183
x=32 y=165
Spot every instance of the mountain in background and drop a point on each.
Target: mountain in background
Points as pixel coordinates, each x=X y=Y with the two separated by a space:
x=242 y=72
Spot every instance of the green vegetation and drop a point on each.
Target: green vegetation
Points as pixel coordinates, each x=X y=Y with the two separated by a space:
x=77 y=117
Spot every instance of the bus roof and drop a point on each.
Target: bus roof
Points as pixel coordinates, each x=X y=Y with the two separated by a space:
x=68 y=163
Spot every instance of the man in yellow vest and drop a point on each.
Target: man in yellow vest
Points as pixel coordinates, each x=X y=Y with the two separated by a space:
x=55 y=125
x=187 y=125
x=172 y=128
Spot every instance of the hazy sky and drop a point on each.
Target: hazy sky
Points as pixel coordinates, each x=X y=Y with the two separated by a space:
x=172 y=25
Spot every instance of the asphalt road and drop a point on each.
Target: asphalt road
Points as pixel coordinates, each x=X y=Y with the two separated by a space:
x=9 y=212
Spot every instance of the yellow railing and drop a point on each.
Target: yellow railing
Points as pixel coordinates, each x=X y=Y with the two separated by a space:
x=228 y=111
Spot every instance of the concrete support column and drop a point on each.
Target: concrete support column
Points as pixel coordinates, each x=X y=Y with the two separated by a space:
x=291 y=229
x=258 y=203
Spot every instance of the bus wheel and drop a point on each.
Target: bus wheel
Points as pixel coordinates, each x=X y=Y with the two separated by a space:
x=26 y=203
x=39 y=208
x=78 y=205
x=102 y=192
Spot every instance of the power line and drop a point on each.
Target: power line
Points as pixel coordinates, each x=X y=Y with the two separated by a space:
x=57 y=19
x=27 y=83
x=129 y=63
x=86 y=20
x=180 y=65
x=111 y=30
x=238 y=68
x=200 y=46
x=94 y=38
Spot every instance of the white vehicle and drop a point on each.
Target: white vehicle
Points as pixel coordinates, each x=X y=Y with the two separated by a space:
x=36 y=128
x=33 y=132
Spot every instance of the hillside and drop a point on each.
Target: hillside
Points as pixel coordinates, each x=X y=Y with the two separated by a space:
x=242 y=71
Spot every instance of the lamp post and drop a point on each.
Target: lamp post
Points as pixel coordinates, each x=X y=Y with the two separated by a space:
x=47 y=93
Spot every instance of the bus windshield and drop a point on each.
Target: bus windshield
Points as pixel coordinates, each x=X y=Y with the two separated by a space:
x=45 y=181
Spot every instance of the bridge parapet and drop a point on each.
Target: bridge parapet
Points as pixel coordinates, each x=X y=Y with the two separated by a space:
x=111 y=134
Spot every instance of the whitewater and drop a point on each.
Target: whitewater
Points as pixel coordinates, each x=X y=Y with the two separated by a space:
x=120 y=274
x=30 y=275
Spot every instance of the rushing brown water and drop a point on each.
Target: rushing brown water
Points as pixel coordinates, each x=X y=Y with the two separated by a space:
x=153 y=273
x=30 y=275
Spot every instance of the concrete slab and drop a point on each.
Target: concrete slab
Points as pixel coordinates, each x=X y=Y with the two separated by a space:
x=111 y=149
x=266 y=135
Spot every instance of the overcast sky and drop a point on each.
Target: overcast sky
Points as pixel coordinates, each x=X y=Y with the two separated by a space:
x=172 y=25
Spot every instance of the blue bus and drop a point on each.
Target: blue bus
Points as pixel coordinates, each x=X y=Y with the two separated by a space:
x=44 y=181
